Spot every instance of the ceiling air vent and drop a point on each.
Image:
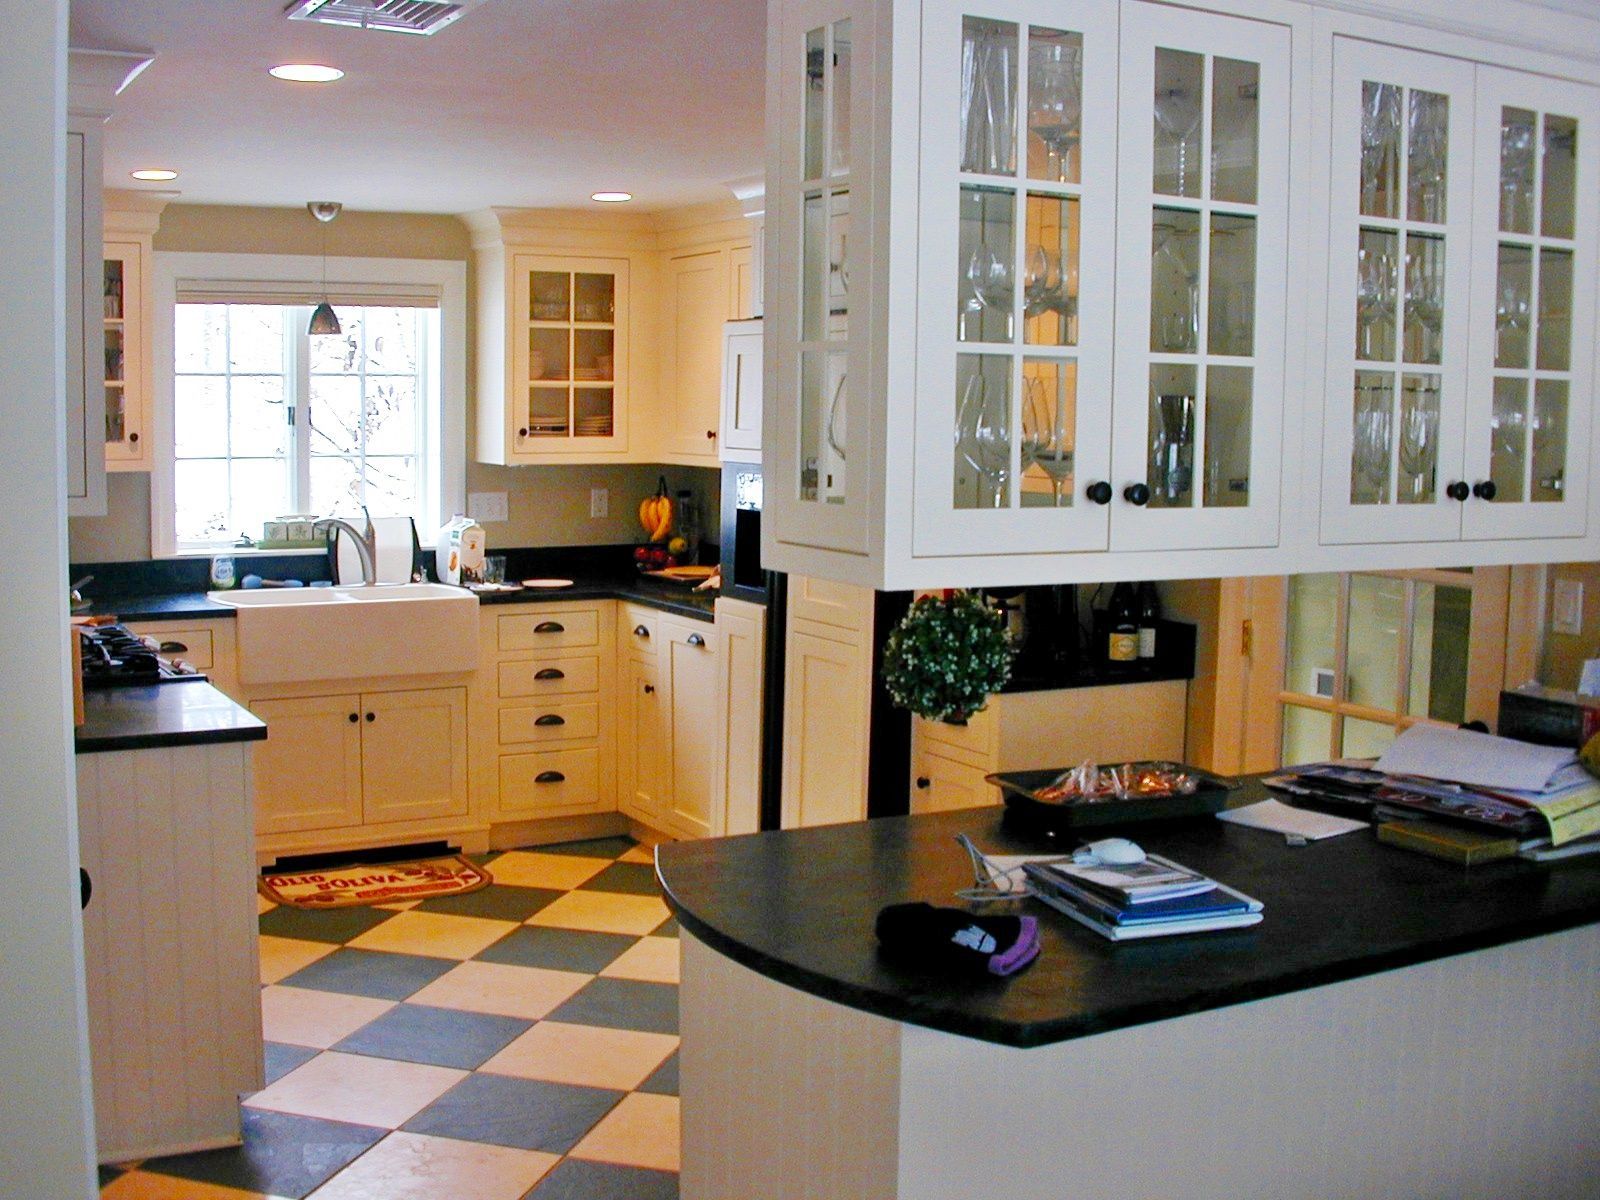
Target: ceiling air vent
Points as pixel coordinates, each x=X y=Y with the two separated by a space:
x=396 y=16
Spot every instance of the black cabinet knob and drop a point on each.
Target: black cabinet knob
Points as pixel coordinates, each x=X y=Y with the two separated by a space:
x=550 y=673
x=1484 y=489
x=354 y=718
x=549 y=777
x=640 y=631
x=550 y=719
x=1099 y=492
x=549 y=627
x=1458 y=490
x=132 y=438
x=694 y=639
x=180 y=648
x=1136 y=493
x=522 y=433
x=649 y=689
x=371 y=717
x=712 y=434
x=924 y=782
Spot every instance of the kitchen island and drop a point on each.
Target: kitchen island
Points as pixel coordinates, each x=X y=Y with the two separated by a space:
x=1396 y=1026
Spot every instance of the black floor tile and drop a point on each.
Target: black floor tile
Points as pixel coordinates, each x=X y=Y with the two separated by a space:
x=497 y=902
x=441 y=1037
x=283 y=1058
x=525 y=1113
x=667 y=928
x=664 y=1080
x=612 y=847
x=282 y=1155
x=575 y=1179
x=558 y=949
x=375 y=973
x=322 y=925
x=107 y=1173
x=623 y=1004
x=638 y=879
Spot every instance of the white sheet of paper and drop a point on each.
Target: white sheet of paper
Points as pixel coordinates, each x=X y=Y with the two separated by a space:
x=1476 y=759
x=1278 y=817
x=1589 y=680
x=1006 y=869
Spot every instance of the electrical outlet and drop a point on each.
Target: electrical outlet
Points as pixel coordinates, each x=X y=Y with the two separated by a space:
x=488 y=506
x=1566 y=607
x=599 y=502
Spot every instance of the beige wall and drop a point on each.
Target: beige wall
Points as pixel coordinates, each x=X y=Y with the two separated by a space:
x=549 y=506
x=1562 y=659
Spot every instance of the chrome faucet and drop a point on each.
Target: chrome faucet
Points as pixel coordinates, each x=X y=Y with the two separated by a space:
x=366 y=543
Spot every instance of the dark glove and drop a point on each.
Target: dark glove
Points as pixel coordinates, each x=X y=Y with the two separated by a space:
x=947 y=939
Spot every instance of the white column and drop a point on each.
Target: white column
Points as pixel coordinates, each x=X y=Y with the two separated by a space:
x=46 y=1138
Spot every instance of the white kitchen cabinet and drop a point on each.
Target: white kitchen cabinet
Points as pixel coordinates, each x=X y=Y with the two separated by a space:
x=170 y=946
x=827 y=689
x=85 y=337
x=698 y=297
x=1087 y=351
x=741 y=671
x=740 y=435
x=361 y=760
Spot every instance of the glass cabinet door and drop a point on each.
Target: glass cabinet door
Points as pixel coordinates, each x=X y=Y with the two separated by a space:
x=1534 y=266
x=1203 y=246
x=123 y=310
x=568 y=356
x=1015 y=281
x=1399 y=261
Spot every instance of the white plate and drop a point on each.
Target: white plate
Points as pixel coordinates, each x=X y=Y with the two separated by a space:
x=547 y=583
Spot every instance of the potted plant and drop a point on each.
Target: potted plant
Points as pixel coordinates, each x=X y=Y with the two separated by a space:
x=947 y=656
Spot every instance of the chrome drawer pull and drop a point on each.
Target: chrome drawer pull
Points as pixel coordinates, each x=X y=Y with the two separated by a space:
x=640 y=631
x=695 y=639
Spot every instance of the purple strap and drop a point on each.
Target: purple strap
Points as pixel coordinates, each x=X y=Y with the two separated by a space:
x=1022 y=952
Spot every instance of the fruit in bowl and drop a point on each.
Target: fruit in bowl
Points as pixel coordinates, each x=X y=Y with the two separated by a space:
x=652 y=557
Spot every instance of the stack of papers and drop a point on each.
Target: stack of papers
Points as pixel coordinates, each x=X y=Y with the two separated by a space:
x=1149 y=899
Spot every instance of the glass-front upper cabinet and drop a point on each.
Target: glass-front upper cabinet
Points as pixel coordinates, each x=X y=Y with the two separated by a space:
x=1400 y=260
x=124 y=378
x=569 y=360
x=1203 y=209
x=1529 y=411
x=1018 y=192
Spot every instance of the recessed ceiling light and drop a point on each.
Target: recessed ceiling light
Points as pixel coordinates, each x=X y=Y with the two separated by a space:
x=612 y=197
x=154 y=175
x=305 y=73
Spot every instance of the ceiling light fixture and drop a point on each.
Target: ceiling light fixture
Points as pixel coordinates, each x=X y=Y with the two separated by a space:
x=323 y=318
x=154 y=174
x=305 y=73
x=612 y=197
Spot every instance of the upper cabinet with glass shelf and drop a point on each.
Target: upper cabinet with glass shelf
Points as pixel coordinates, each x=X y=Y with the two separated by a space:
x=1039 y=313
x=130 y=220
x=1461 y=259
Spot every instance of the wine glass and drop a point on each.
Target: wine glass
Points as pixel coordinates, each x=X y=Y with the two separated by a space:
x=988 y=81
x=1179 y=328
x=990 y=277
x=983 y=436
x=1419 y=438
x=1042 y=283
x=1370 y=452
x=1046 y=438
x=1177 y=114
x=1380 y=128
x=1375 y=297
x=1424 y=302
x=1055 y=87
x=835 y=426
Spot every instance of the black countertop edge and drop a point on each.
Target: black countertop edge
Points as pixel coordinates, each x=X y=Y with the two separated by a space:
x=196 y=605
x=185 y=713
x=798 y=908
x=1088 y=677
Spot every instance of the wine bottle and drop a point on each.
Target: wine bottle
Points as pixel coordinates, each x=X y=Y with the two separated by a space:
x=1122 y=622
x=1149 y=613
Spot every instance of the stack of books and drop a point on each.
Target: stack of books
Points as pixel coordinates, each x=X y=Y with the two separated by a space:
x=1149 y=899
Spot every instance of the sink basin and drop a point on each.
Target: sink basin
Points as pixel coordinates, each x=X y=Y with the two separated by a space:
x=293 y=635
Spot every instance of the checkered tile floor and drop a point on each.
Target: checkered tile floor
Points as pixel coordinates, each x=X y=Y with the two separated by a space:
x=515 y=1043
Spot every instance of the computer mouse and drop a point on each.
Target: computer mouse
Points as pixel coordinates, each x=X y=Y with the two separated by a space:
x=1116 y=852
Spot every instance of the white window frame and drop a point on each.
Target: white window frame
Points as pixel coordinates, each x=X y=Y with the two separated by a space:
x=369 y=280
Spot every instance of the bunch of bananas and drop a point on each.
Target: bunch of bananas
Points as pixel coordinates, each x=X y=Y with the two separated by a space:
x=655 y=513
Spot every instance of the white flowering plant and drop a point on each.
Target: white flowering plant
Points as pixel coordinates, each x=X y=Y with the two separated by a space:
x=947 y=656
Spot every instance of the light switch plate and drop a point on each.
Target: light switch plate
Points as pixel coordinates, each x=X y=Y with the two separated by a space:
x=1566 y=608
x=488 y=506
x=599 y=502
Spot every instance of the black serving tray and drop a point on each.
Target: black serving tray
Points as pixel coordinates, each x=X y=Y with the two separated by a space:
x=1029 y=814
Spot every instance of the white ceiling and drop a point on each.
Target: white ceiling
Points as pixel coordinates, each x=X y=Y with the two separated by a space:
x=524 y=103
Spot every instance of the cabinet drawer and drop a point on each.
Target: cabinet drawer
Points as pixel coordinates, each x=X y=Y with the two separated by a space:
x=191 y=645
x=639 y=632
x=549 y=630
x=566 y=780
x=548 y=723
x=975 y=737
x=549 y=677
x=940 y=784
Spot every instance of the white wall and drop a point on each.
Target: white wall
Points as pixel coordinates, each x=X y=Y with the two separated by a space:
x=46 y=1140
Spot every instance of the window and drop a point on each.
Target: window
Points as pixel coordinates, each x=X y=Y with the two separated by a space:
x=257 y=419
x=1368 y=655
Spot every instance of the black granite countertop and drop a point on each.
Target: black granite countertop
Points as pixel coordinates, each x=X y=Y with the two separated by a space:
x=189 y=712
x=668 y=597
x=798 y=906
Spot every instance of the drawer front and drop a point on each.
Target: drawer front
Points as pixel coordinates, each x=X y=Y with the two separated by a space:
x=191 y=645
x=940 y=784
x=549 y=631
x=552 y=781
x=639 y=632
x=549 y=677
x=975 y=737
x=548 y=723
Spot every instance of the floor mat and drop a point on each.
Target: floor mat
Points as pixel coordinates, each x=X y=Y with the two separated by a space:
x=338 y=887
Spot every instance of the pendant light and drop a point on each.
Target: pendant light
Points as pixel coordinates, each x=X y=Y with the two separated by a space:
x=323 y=318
